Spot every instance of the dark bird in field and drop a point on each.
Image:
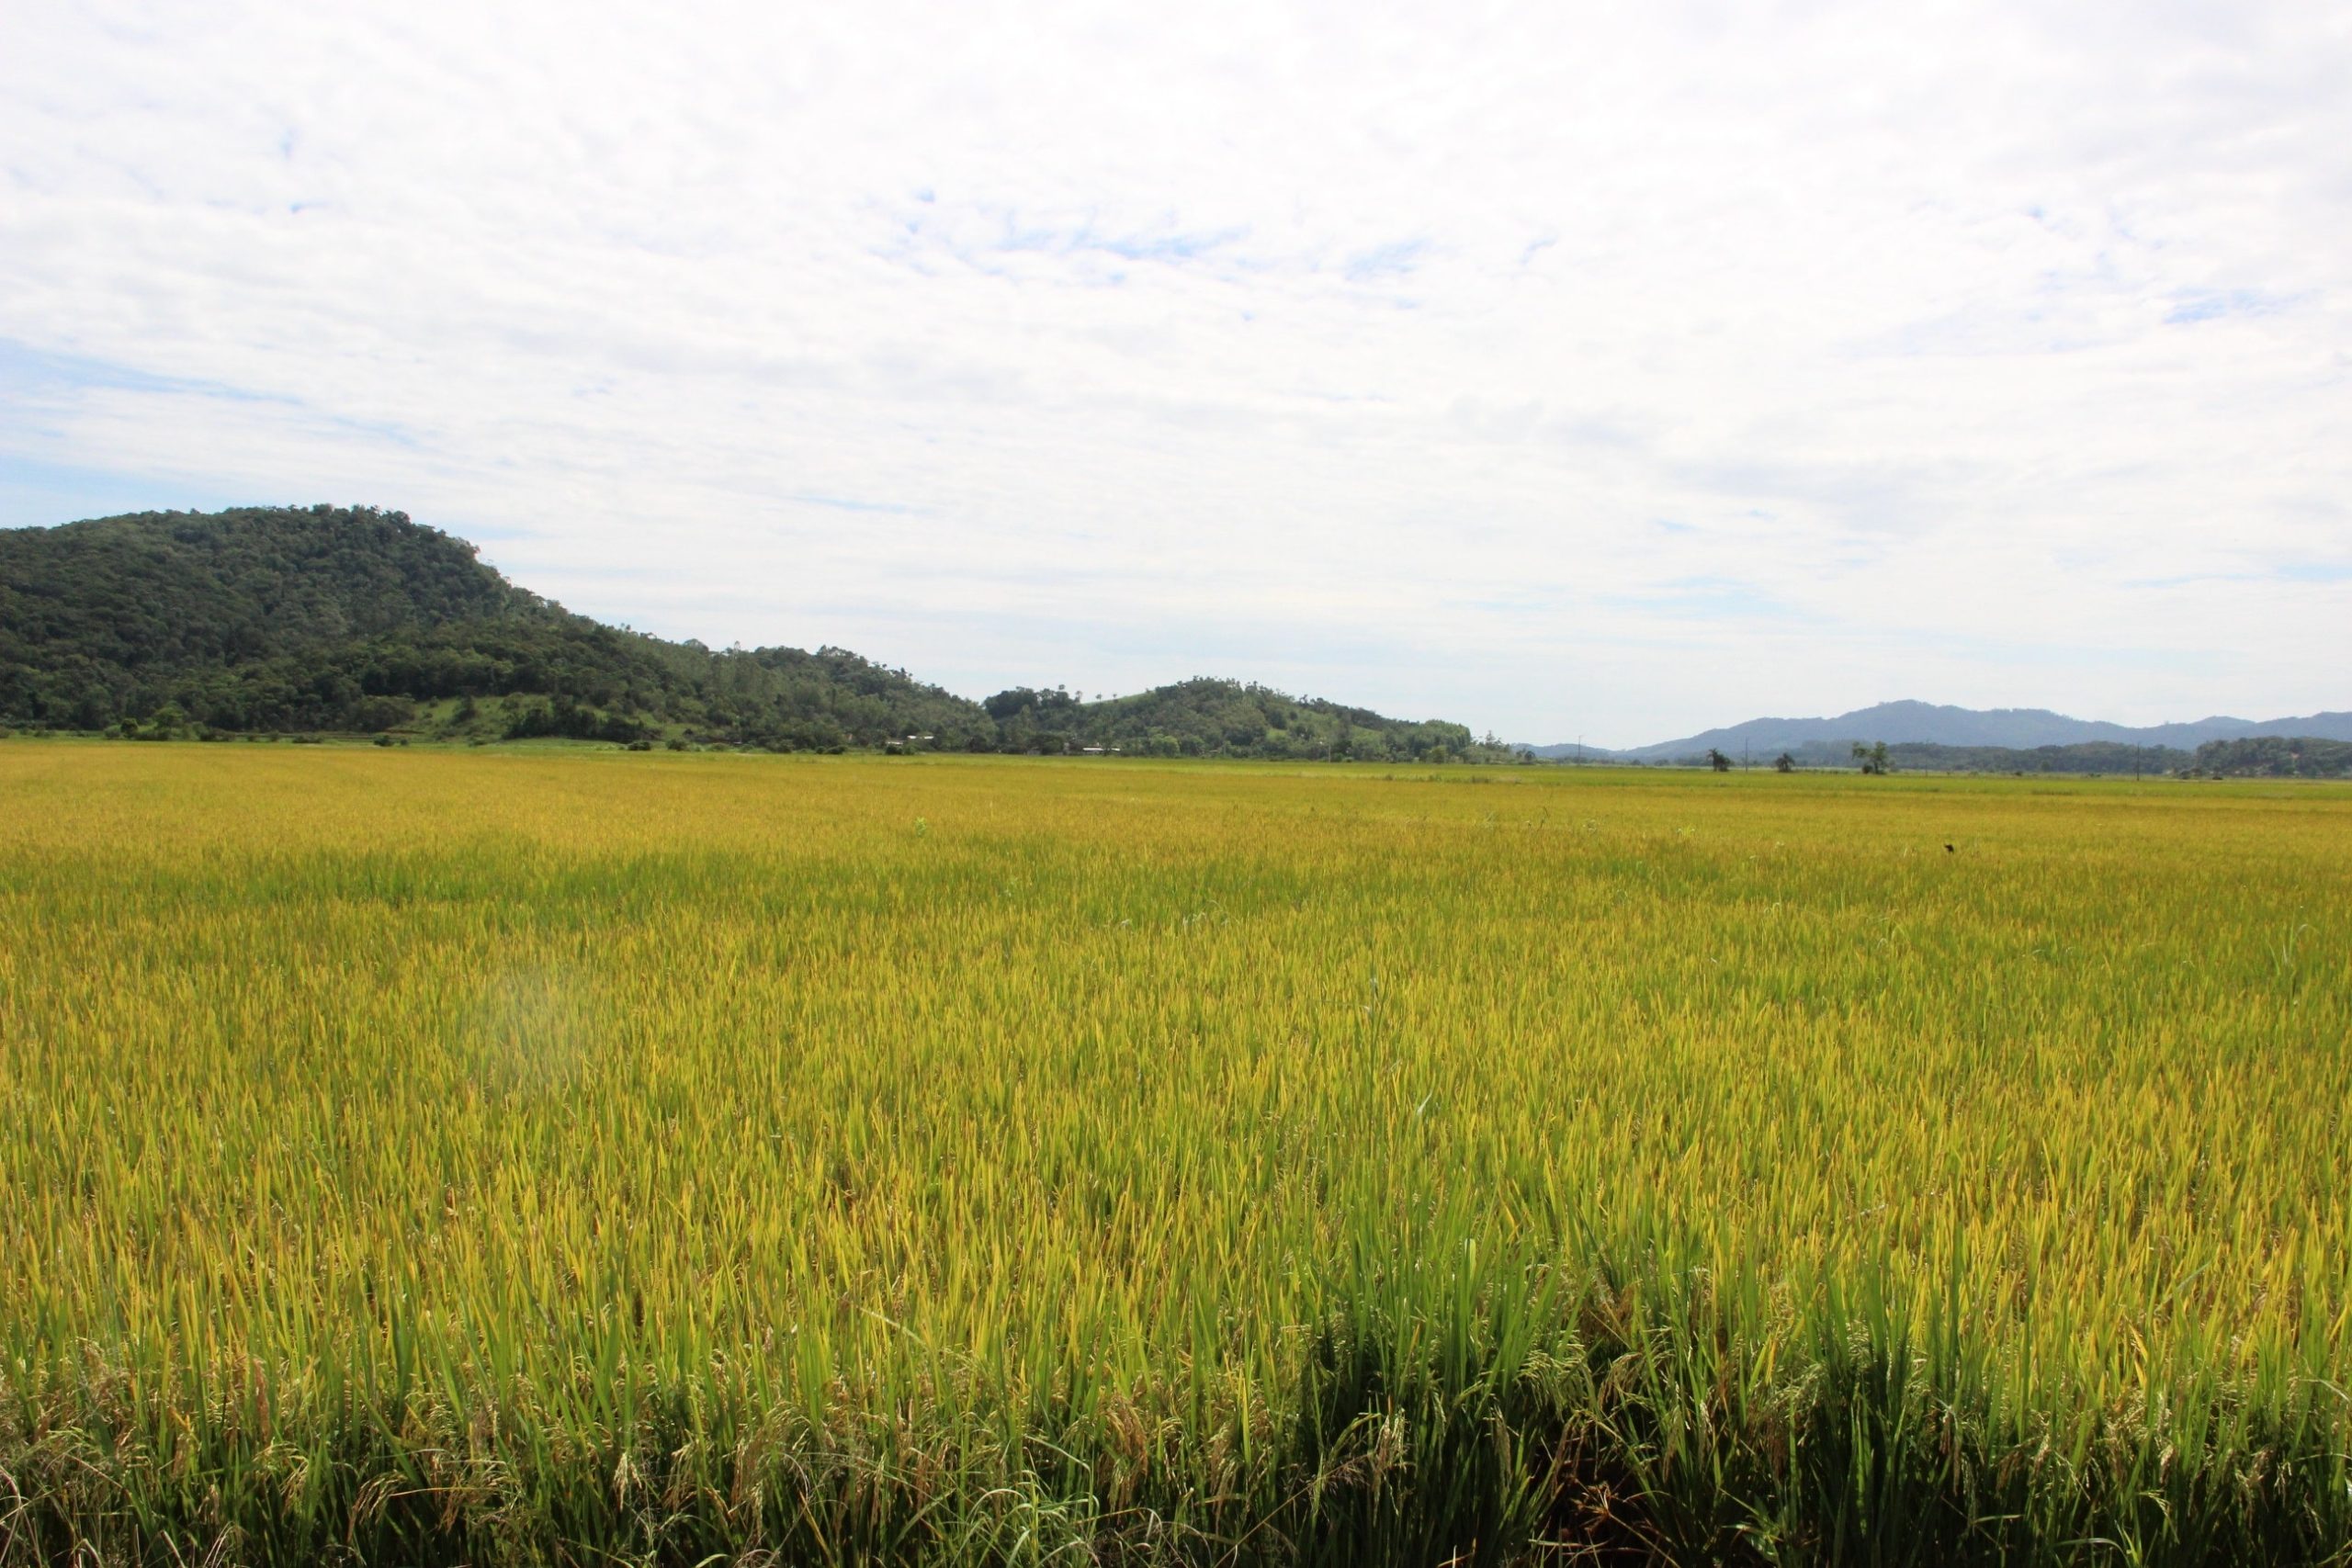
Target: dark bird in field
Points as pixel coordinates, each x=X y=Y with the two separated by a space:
x=1947 y=849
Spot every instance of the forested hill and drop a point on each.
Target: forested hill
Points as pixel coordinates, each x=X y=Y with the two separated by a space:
x=352 y=620
x=1212 y=717
x=355 y=620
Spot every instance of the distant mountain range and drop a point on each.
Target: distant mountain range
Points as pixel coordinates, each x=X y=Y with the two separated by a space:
x=1935 y=724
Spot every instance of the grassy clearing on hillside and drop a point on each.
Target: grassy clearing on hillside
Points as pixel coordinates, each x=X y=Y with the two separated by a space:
x=416 y=1157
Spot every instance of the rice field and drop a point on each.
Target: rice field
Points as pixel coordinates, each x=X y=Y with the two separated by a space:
x=583 y=1158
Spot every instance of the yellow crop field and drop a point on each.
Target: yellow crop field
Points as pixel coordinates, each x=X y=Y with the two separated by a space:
x=591 y=1157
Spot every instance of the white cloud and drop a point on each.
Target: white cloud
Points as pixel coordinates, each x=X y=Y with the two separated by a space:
x=1616 y=372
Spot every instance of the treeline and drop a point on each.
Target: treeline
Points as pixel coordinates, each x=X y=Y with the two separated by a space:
x=2083 y=757
x=283 y=620
x=2087 y=757
x=2275 y=756
x=2256 y=757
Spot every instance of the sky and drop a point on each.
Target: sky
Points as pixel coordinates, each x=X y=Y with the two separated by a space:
x=1569 y=371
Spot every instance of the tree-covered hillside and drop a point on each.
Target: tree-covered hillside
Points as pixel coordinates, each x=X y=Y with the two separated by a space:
x=351 y=620
x=1205 y=717
x=244 y=616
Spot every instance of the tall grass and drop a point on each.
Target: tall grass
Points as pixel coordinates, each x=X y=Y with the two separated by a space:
x=591 y=1159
